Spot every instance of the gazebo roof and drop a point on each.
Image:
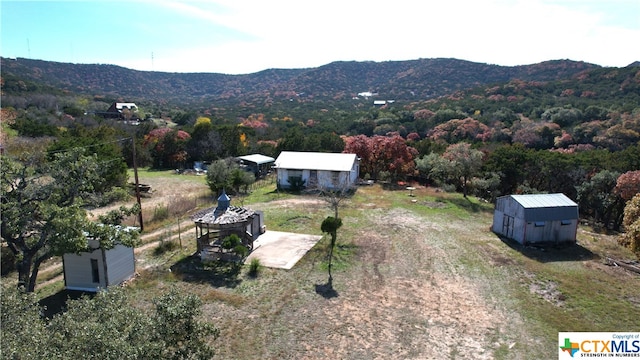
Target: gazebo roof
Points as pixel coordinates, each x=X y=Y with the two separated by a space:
x=232 y=215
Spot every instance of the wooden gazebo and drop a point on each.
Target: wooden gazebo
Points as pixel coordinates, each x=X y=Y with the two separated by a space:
x=213 y=225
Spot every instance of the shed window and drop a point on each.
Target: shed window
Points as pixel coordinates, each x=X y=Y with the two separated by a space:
x=539 y=223
x=95 y=273
x=565 y=222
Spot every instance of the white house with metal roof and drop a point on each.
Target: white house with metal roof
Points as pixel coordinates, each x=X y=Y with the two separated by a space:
x=317 y=170
x=536 y=218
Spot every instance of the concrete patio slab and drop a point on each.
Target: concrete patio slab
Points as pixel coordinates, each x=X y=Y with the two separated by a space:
x=281 y=250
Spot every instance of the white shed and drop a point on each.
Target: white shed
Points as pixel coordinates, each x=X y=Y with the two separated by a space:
x=98 y=269
x=315 y=169
x=536 y=219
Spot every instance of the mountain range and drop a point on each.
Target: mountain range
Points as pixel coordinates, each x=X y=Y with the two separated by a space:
x=399 y=80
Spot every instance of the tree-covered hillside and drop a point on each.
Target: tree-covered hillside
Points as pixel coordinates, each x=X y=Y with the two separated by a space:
x=532 y=117
x=414 y=79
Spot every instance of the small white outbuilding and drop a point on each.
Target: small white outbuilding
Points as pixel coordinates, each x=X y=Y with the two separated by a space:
x=98 y=269
x=317 y=170
x=536 y=218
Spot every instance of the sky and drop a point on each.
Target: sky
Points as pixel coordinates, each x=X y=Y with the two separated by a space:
x=247 y=36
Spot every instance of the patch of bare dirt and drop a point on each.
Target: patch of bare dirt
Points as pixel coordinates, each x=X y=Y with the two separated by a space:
x=402 y=306
x=548 y=290
x=299 y=201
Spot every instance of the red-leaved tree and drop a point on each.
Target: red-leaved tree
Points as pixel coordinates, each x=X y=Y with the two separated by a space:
x=382 y=153
x=628 y=185
x=167 y=147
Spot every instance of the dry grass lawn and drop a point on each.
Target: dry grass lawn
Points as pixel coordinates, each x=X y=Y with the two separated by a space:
x=422 y=279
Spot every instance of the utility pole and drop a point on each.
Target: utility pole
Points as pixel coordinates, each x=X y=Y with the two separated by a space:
x=135 y=174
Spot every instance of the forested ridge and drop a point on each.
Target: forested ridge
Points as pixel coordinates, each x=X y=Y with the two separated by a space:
x=547 y=127
x=478 y=129
x=423 y=78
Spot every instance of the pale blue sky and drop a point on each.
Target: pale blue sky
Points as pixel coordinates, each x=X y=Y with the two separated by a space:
x=244 y=36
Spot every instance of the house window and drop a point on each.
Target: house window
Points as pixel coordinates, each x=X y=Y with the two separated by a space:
x=295 y=173
x=539 y=223
x=95 y=273
x=335 y=177
x=565 y=222
x=295 y=179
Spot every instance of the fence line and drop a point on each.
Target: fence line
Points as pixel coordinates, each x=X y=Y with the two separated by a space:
x=267 y=180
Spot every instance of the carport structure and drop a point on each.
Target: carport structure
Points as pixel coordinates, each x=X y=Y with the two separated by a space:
x=258 y=164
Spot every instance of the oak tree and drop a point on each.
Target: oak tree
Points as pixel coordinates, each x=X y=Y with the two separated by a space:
x=42 y=210
x=463 y=162
x=107 y=326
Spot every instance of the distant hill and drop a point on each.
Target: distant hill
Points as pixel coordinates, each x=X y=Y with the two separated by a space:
x=401 y=80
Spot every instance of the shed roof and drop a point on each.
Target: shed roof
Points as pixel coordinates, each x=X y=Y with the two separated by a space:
x=315 y=161
x=257 y=158
x=543 y=207
x=544 y=201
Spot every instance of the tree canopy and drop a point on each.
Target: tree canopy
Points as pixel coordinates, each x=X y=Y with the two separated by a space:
x=106 y=326
x=42 y=210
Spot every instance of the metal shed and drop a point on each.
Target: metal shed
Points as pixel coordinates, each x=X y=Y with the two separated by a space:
x=536 y=218
x=98 y=269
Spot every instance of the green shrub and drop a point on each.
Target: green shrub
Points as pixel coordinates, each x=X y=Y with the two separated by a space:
x=241 y=250
x=231 y=241
x=164 y=247
x=296 y=183
x=160 y=213
x=254 y=267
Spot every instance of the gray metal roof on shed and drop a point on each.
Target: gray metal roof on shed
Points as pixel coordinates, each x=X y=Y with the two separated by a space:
x=543 y=207
x=544 y=200
x=257 y=158
x=315 y=161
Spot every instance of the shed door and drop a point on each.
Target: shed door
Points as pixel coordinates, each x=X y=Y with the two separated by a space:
x=507 y=226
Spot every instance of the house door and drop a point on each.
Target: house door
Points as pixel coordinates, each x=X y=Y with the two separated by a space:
x=507 y=225
x=313 y=178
